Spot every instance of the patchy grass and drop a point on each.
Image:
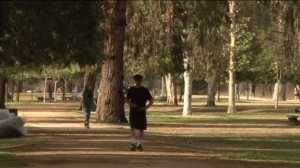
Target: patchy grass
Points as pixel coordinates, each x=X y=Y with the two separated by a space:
x=243 y=136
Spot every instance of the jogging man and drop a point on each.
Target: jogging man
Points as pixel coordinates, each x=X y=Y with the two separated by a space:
x=136 y=98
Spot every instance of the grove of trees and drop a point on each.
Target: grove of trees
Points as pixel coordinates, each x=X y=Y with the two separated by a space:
x=233 y=41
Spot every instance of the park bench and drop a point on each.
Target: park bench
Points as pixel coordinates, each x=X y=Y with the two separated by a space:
x=293 y=119
x=42 y=98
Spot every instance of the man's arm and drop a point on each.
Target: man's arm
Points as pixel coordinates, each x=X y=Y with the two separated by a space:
x=151 y=101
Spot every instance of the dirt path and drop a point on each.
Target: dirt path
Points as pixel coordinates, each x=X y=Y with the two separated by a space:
x=62 y=141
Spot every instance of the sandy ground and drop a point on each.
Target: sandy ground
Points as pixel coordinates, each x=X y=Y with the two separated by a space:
x=65 y=143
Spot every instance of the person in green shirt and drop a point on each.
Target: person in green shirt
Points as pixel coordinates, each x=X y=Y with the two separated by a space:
x=87 y=104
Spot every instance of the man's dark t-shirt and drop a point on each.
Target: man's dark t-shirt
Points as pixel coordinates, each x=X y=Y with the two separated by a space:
x=138 y=96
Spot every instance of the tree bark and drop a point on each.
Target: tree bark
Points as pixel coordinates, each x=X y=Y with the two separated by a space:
x=110 y=106
x=2 y=91
x=212 y=82
x=187 y=104
x=171 y=89
x=231 y=102
x=19 y=89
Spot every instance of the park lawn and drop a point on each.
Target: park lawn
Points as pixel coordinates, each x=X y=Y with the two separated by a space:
x=260 y=136
x=243 y=136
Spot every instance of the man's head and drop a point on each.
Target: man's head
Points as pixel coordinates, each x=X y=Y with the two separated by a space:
x=138 y=80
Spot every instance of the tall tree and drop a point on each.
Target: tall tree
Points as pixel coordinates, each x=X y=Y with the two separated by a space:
x=110 y=104
x=231 y=101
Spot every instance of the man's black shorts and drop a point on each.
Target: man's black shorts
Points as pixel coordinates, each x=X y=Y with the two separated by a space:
x=138 y=120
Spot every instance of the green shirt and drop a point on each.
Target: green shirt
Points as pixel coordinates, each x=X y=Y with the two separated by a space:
x=88 y=101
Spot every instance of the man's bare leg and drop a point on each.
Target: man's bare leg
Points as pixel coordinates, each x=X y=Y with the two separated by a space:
x=133 y=145
x=132 y=135
x=141 y=135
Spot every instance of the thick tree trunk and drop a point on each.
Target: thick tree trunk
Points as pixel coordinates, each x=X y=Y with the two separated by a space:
x=187 y=104
x=19 y=89
x=212 y=88
x=45 y=89
x=2 y=91
x=231 y=101
x=110 y=104
x=171 y=89
x=218 y=91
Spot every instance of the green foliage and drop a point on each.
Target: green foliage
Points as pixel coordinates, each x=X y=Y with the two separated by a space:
x=45 y=32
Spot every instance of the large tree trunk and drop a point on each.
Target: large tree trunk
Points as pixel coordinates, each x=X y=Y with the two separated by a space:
x=19 y=89
x=110 y=103
x=171 y=89
x=2 y=91
x=212 y=82
x=231 y=101
x=187 y=104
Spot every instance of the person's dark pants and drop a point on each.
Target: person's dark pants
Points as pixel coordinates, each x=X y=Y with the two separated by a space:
x=87 y=112
x=50 y=95
x=138 y=120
